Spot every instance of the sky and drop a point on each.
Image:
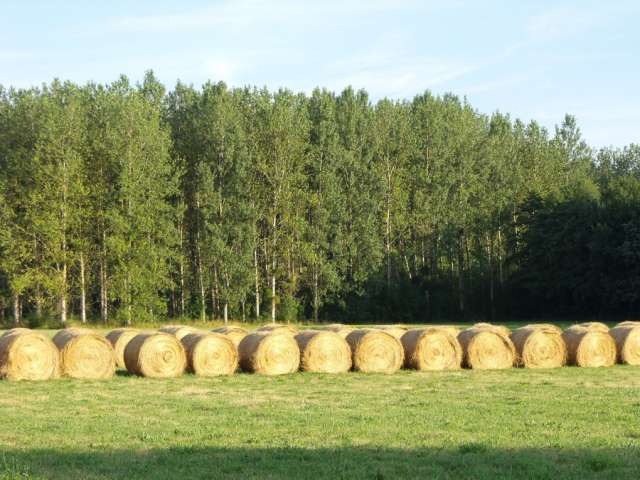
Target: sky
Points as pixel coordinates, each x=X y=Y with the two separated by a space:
x=533 y=59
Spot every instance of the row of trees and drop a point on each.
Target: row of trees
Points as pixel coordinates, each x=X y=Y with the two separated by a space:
x=126 y=202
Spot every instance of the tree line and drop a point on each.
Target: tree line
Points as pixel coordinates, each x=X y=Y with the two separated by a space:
x=126 y=203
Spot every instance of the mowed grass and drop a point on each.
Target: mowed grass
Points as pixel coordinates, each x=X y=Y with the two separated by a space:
x=565 y=423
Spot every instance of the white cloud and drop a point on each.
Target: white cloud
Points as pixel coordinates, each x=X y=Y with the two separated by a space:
x=562 y=21
x=244 y=13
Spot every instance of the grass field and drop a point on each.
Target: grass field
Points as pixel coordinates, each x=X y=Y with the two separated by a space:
x=565 y=423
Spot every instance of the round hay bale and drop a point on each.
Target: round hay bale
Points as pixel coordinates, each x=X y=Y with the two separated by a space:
x=85 y=354
x=627 y=338
x=447 y=328
x=396 y=330
x=627 y=323
x=235 y=334
x=499 y=328
x=539 y=346
x=431 y=348
x=15 y=330
x=375 y=351
x=28 y=355
x=266 y=353
x=178 y=331
x=119 y=339
x=280 y=328
x=210 y=354
x=324 y=352
x=590 y=346
x=342 y=330
x=155 y=355
x=486 y=348
x=594 y=326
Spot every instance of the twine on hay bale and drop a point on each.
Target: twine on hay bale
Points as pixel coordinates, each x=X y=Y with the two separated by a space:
x=342 y=330
x=590 y=345
x=28 y=355
x=487 y=347
x=178 y=331
x=155 y=355
x=210 y=354
x=375 y=351
x=235 y=334
x=323 y=351
x=275 y=353
x=432 y=348
x=119 y=339
x=85 y=354
x=277 y=327
x=539 y=346
x=627 y=338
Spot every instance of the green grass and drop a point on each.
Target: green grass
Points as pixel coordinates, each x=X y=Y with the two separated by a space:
x=565 y=423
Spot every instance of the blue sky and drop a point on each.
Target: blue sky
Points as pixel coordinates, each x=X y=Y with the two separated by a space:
x=533 y=59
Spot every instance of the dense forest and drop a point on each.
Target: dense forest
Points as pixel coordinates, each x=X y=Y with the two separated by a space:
x=122 y=203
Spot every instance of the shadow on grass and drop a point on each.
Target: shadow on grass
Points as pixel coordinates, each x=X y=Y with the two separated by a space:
x=471 y=461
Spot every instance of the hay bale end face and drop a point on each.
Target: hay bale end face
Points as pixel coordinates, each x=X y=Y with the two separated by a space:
x=323 y=351
x=375 y=351
x=276 y=327
x=155 y=355
x=85 y=354
x=432 y=348
x=178 y=331
x=590 y=346
x=487 y=348
x=235 y=334
x=539 y=346
x=267 y=353
x=119 y=339
x=627 y=338
x=210 y=354
x=28 y=355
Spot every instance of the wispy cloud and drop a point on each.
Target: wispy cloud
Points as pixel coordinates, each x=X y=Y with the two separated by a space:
x=244 y=13
x=562 y=21
x=390 y=73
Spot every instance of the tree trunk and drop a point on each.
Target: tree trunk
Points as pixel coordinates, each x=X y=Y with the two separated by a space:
x=63 y=295
x=492 y=306
x=316 y=305
x=213 y=303
x=203 y=302
x=243 y=314
x=38 y=302
x=461 y=275
x=181 y=273
x=226 y=313
x=255 y=263
x=129 y=298
x=273 y=297
x=16 y=309
x=1 y=309
x=387 y=245
x=104 y=294
x=83 y=293
x=500 y=278
x=216 y=298
x=273 y=273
